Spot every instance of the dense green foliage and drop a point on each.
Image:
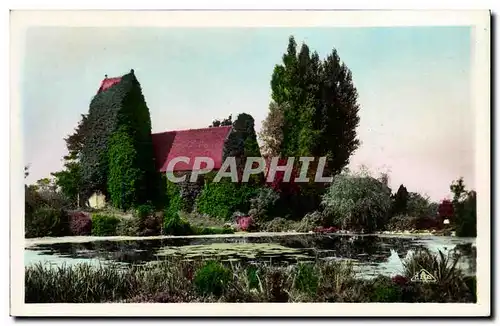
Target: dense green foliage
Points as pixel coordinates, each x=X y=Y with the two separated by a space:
x=176 y=225
x=242 y=140
x=400 y=205
x=319 y=103
x=173 y=200
x=46 y=221
x=123 y=174
x=213 y=278
x=358 y=202
x=466 y=219
x=263 y=205
x=69 y=180
x=104 y=225
x=222 y=199
x=121 y=108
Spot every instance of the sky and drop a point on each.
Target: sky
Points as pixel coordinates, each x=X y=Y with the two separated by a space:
x=414 y=85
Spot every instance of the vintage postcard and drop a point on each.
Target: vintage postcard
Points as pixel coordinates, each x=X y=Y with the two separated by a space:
x=284 y=163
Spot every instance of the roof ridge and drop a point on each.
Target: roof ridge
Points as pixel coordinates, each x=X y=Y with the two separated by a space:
x=192 y=129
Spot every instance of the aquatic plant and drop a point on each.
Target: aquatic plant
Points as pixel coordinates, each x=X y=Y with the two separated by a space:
x=306 y=278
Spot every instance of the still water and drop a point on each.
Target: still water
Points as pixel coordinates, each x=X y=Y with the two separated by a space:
x=371 y=255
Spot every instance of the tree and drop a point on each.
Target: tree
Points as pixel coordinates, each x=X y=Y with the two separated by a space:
x=75 y=141
x=221 y=123
x=457 y=187
x=242 y=141
x=465 y=209
x=320 y=109
x=69 y=180
x=357 y=202
x=340 y=114
x=445 y=209
x=400 y=206
x=272 y=130
x=419 y=206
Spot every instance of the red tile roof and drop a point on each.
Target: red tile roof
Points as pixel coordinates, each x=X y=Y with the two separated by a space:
x=108 y=82
x=206 y=142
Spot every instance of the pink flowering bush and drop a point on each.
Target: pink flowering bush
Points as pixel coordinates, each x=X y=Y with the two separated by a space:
x=80 y=223
x=245 y=223
x=330 y=229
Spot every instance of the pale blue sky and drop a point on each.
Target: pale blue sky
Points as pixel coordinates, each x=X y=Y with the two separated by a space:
x=413 y=83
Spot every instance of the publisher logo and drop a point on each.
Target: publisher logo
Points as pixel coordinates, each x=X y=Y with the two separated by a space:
x=424 y=277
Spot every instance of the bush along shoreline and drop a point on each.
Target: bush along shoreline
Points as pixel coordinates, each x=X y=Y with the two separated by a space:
x=353 y=203
x=215 y=281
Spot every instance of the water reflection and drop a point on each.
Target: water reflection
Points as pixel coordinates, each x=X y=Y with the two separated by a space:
x=371 y=254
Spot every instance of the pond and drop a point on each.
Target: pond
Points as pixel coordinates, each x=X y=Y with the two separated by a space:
x=371 y=254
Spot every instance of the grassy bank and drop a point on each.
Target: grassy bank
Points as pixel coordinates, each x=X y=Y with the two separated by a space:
x=212 y=281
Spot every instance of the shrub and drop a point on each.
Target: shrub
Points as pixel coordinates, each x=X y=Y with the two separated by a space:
x=144 y=211
x=175 y=225
x=310 y=222
x=104 y=225
x=211 y=230
x=213 y=278
x=384 y=290
x=128 y=227
x=246 y=223
x=151 y=226
x=357 y=202
x=47 y=222
x=221 y=199
x=330 y=229
x=402 y=223
x=263 y=205
x=80 y=223
x=279 y=224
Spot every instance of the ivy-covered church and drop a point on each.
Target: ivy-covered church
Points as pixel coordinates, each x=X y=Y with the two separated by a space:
x=122 y=161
